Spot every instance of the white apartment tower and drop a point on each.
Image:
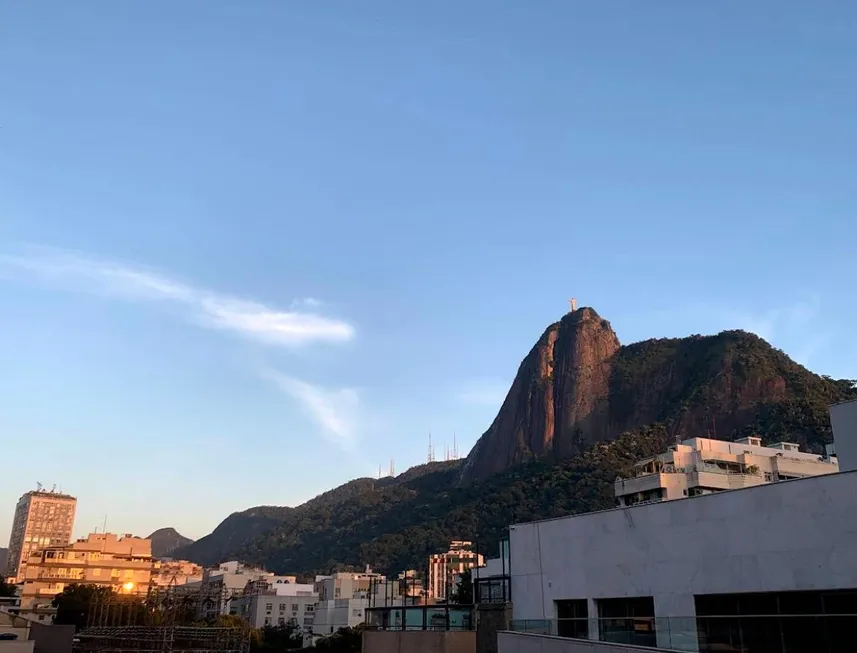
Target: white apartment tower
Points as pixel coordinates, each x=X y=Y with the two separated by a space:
x=444 y=567
x=42 y=519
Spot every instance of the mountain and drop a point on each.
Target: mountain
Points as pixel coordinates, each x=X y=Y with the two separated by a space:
x=580 y=411
x=578 y=386
x=167 y=540
x=234 y=532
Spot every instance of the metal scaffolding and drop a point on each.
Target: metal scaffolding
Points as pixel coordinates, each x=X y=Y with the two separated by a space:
x=163 y=620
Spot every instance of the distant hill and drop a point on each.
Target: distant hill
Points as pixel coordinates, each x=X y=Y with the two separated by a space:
x=167 y=540
x=580 y=411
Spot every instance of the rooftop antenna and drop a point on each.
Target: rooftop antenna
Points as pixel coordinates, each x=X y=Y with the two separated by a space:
x=572 y=304
x=430 y=458
x=53 y=488
x=38 y=486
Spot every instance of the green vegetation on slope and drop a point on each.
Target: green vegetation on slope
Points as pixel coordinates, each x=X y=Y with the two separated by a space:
x=724 y=386
x=396 y=526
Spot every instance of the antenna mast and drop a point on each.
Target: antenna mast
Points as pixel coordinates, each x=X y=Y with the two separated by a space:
x=430 y=458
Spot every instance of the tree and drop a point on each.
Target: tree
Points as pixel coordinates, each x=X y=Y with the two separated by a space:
x=74 y=602
x=462 y=594
x=277 y=638
x=5 y=588
x=344 y=640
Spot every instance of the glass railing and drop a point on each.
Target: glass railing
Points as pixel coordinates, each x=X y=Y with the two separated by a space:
x=815 y=633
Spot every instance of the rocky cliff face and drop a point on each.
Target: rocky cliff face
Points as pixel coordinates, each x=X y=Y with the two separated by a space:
x=557 y=400
x=578 y=386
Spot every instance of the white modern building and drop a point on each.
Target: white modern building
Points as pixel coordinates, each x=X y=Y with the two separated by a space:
x=701 y=466
x=229 y=580
x=291 y=604
x=666 y=574
x=491 y=580
x=843 y=419
x=344 y=598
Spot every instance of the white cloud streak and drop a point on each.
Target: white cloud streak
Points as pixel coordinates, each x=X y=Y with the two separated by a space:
x=337 y=412
x=297 y=326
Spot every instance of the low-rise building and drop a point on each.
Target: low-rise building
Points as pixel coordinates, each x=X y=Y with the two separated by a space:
x=171 y=573
x=225 y=582
x=123 y=563
x=701 y=466
x=757 y=568
x=287 y=603
x=491 y=580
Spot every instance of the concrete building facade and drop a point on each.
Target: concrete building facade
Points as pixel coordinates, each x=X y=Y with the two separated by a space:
x=444 y=567
x=171 y=573
x=42 y=519
x=123 y=563
x=701 y=466
x=293 y=604
x=843 y=419
x=668 y=566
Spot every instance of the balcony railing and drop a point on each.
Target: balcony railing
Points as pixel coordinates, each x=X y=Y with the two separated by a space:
x=784 y=633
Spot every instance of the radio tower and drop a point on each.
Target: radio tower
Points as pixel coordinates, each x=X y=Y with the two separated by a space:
x=430 y=458
x=454 y=447
x=392 y=467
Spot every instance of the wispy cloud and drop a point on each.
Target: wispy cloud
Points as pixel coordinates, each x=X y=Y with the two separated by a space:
x=337 y=412
x=299 y=325
x=483 y=392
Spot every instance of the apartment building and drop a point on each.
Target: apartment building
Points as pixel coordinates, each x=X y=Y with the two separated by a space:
x=701 y=466
x=42 y=519
x=345 y=597
x=444 y=567
x=281 y=604
x=228 y=581
x=123 y=563
x=171 y=573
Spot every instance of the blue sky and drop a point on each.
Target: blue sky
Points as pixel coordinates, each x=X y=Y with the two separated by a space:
x=251 y=250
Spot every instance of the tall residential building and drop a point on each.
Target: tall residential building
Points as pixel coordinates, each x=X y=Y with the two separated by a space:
x=702 y=466
x=41 y=519
x=123 y=563
x=444 y=567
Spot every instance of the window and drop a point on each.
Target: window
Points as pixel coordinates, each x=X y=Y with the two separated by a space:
x=309 y=608
x=96 y=571
x=267 y=621
x=269 y=606
x=281 y=621
x=294 y=607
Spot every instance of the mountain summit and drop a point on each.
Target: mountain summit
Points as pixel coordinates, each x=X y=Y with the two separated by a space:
x=558 y=400
x=578 y=386
x=167 y=540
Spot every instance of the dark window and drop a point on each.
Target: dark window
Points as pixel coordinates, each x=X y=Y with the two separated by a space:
x=572 y=619
x=627 y=621
x=777 y=622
